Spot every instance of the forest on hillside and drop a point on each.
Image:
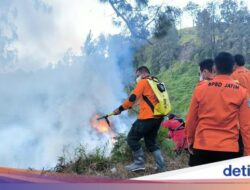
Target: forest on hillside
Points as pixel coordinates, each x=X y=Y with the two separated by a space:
x=216 y=27
x=171 y=52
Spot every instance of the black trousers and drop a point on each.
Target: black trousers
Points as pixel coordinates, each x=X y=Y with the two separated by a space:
x=241 y=146
x=205 y=157
x=147 y=129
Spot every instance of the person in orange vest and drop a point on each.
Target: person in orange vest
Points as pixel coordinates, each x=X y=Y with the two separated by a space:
x=176 y=132
x=242 y=75
x=215 y=110
x=147 y=125
x=206 y=73
x=206 y=69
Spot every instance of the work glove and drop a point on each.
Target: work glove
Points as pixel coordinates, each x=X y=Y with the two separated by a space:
x=117 y=111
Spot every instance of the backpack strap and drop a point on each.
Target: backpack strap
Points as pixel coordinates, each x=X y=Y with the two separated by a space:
x=155 y=79
x=145 y=98
x=181 y=126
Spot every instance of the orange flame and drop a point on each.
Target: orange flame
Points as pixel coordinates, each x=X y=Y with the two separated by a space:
x=102 y=127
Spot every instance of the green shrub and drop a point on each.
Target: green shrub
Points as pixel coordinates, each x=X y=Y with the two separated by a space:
x=94 y=161
x=162 y=135
x=61 y=164
x=84 y=162
x=121 y=152
x=166 y=144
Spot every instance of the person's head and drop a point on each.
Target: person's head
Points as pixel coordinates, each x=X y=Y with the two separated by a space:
x=142 y=72
x=206 y=69
x=171 y=116
x=239 y=60
x=224 y=63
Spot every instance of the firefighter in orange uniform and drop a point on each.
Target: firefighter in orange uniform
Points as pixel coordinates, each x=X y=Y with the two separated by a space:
x=206 y=70
x=146 y=126
x=241 y=73
x=215 y=110
x=206 y=73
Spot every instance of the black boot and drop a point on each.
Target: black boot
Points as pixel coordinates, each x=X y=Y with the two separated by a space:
x=138 y=163
x=160 y=163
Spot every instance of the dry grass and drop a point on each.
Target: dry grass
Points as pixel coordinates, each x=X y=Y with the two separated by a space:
x=178 y=162
x=114 y=167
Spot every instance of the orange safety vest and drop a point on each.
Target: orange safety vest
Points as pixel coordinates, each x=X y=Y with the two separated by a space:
x=216 y=108
x=142 y=90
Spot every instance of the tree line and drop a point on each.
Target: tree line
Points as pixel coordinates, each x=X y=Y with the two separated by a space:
x=217 y=26
x=222 y=27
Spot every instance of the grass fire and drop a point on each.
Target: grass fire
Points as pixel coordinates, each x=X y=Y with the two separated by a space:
x=103 y=126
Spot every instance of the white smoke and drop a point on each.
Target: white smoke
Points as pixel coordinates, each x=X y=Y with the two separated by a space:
x=43 y=109
x=46 y=29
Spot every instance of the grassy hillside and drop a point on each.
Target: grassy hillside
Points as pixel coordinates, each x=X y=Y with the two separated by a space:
x=180 y=80
x=188 y=35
